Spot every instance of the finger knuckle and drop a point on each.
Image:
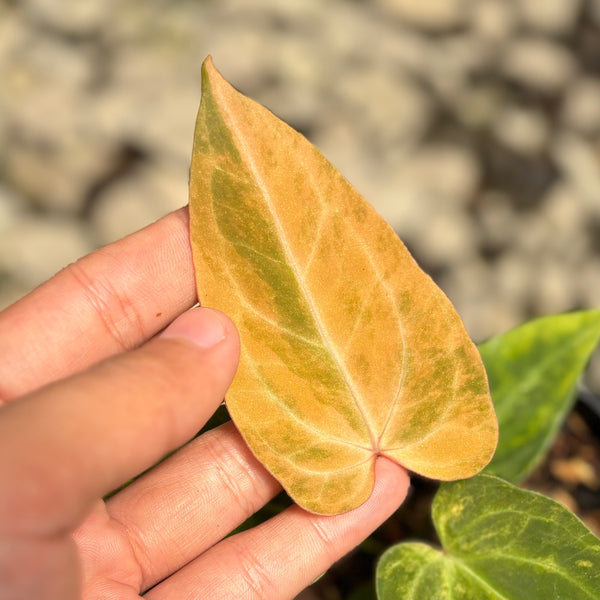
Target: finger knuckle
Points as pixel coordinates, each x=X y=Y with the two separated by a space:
x=114 y=310
x=323 y=540
x=255 y=583
x=235 y=475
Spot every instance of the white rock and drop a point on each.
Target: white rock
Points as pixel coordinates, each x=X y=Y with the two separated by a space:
x=555 y=234
x=580 y=163
x=135 y=202
x=581 y=106
x=450 y=172
x=35 y=249
x=539 y=63
x=57 y=178
x=43 y=88
x=532 y=237
x=525 y=131
x=587 y=283
x=452 y=63
x=377 y=181
x=430 y=14
x=122 y=212
x=496 y=219
x=477 y=105
x=491 y=316
x=446 y=238
x=394 y=109
x=80 y=17
x=513 y=278
x=158 y=118
x=296 y=96
x=243 y=62
x=391 y=44
x=466 y=284
x=51 y=62
x=422 y=197
x=554 y=291
x=300 y=11
x=50 y=150
x=11 y=207
x=369 y=120
x=474 y=290
x=563 y=210
x=14 y=33
x=550 y=16
x=493 y=20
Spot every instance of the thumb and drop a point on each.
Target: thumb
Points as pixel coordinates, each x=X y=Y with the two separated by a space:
x=68 y=444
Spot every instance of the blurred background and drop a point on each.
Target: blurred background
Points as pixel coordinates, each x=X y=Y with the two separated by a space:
x=472 y=126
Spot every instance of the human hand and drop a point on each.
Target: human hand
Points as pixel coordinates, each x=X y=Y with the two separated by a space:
x=94 y=394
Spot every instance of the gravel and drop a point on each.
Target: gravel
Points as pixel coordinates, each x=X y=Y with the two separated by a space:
x=473 y=126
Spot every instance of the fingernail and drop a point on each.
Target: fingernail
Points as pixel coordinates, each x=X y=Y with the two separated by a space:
x=202 y=326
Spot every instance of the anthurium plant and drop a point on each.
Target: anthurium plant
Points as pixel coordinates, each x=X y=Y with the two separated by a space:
x=350 y=351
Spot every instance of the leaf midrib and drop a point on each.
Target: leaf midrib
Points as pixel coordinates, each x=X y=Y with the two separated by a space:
x=246 y=153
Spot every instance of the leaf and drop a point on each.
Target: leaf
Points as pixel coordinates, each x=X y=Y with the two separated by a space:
x=349 y=350
x=533 y=372
x=499 y=543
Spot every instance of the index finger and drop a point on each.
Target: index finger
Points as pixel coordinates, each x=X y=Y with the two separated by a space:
x=107 y=302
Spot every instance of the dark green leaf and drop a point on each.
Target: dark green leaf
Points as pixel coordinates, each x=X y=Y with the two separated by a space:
x=500 y=543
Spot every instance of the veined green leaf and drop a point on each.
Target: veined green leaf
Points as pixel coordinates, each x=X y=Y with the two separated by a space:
x=499 y=543
x=349 y=350
x=533 y=372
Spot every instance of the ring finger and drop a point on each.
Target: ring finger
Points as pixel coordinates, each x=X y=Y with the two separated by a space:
x=191 y=501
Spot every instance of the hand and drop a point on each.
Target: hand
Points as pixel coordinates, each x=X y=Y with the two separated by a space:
x=94 y=394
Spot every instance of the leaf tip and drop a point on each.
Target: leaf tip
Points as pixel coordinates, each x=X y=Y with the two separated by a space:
x=208 y=68
x=211 y=76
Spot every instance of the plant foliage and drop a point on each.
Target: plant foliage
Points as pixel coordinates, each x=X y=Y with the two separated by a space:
x=499 y=543
x=350 y=351
x=533 y=372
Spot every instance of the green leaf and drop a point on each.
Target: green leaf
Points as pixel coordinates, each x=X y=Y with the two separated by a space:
x=500 y=543
x=533 y=372
x=348 y=349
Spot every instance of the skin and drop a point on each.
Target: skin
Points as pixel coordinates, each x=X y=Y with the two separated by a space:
x=104 y=370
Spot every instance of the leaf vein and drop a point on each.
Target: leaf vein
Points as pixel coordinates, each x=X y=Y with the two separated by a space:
x=263 y=187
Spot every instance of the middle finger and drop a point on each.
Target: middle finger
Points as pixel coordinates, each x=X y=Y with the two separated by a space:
x=191 y=501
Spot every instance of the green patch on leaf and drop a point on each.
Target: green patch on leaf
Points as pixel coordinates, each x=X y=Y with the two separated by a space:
x=533 y=372
x=500 y=543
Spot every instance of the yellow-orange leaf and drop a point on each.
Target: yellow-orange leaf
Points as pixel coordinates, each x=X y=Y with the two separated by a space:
x=349 y=350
